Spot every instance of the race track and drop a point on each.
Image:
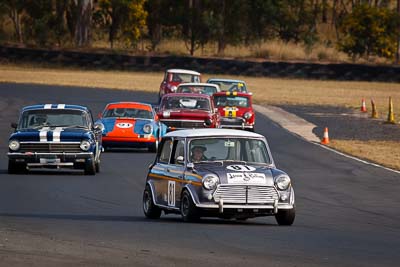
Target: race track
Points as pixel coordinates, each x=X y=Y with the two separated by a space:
x=347 y=212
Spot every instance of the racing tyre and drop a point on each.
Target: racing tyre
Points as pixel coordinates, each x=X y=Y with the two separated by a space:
x=14 y=168
x=90 y=167
x=150 y=210
x=97 y=166
x=189 y=211
x=153 y=148
x=286 y=217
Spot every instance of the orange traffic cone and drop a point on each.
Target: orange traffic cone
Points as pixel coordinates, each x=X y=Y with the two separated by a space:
x=363 y=106
x=325 y=140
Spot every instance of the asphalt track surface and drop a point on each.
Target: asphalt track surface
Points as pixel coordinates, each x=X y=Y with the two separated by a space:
x=347 y=212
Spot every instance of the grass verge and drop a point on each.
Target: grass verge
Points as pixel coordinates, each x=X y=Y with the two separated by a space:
x=271 y=91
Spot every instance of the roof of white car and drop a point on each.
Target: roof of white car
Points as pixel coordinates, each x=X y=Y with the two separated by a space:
x=212 y=133
x=199 y=84
x=183 y=71
x=225 y=80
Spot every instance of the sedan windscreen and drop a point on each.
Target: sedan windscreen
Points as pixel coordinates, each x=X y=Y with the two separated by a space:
x=208 y=90
x=185 y=103
x=53 y=118
x=128 y=113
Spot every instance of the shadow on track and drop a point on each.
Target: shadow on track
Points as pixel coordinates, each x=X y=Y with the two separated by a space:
x=112 y=218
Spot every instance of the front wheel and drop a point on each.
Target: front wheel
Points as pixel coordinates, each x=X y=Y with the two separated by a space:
x=14 y=168
x=153 y=147
x=189 y=211
x=150 y=210
x=286 y=217
x=90 y=167
x=97 y=166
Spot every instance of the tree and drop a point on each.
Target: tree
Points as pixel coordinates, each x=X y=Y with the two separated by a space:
x=369 y=30
x=193 y=28
x=226 y=22
x=296 y=20
x=123 y=18
x=261 y=20
x=14 y=10
x=83 y=24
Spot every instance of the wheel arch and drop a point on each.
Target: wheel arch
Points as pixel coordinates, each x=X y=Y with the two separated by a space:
x=191 y=191
x=152 y=192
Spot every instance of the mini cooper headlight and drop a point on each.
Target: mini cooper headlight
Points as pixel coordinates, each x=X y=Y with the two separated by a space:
x=85 y=145
x=282 y=182
x=13 y=145
x=147 y=128
x=210 y=181
x=173 y=88
x=247 y=115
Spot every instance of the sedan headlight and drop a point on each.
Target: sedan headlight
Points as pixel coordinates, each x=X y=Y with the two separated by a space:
x=247 y=115
x=282 y=182
x=210 y=181
x=85 y=145
x=148 y=128
x=13 y=145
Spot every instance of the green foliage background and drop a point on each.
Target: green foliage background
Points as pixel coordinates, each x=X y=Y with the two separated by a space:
x=359 y=28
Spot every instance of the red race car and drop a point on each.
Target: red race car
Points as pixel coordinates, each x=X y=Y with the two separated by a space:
x=188 y=110
x=235 y=109
x=131 y=125
x=174 y=77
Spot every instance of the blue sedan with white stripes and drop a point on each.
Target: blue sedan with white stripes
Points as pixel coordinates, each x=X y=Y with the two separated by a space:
x=55 y=136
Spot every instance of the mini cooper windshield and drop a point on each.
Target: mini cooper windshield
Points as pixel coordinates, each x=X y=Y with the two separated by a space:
x=229 y=149
x=237 y=101
x=179 y=102
x=53 y=118
x=128 y=113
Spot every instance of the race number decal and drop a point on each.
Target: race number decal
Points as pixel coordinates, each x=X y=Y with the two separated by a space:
x=241 y=168
x=124 y=125
x=171 y=193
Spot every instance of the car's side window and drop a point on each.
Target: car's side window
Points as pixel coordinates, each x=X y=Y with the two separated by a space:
x=165 y=151
x=179 y=152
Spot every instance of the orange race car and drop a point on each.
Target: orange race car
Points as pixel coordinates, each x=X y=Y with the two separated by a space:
x=131 y=125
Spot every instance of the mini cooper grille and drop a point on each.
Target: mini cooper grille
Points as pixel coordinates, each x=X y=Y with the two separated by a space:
x=50 y=147
x=185 y=124
x=246 y=194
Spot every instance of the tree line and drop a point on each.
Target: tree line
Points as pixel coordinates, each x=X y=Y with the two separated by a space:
x=360 y=28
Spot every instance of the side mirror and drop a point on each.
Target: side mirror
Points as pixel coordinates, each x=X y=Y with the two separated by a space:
x=180 y=160
x=98 y=127
x=14 y=125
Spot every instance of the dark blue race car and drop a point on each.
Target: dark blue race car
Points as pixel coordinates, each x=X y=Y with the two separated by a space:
x=55 y=136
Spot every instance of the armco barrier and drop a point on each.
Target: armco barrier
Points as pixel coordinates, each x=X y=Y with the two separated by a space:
x=205 y=65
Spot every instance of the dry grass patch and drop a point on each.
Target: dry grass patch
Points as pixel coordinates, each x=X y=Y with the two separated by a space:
x=144 y=81
x=386 y=153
